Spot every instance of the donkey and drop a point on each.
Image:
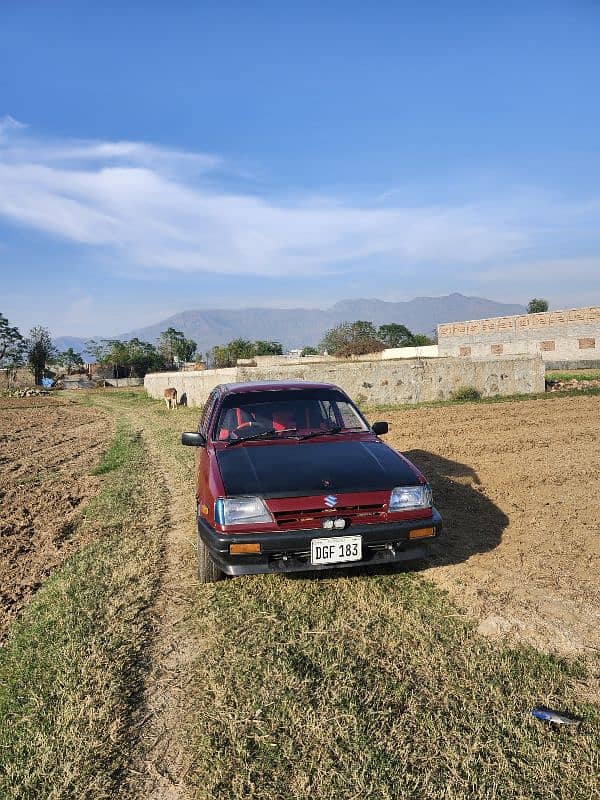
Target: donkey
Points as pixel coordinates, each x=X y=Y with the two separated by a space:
x=170 y=396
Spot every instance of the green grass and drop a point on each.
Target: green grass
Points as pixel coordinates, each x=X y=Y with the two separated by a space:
x=72 y=671
x=465 y=393
x=344 y=685
x=577 y=375
x=513 y=398
x=374 y=686
x=119 y=452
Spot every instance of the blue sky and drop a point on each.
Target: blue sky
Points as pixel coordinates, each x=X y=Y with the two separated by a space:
x=156 y=157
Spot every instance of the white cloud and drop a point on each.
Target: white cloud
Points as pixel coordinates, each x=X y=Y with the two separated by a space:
x=8 y=124
x=158 y=208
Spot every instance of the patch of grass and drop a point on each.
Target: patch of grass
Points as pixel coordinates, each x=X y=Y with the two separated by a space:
x=72 y=669
x=513 y=398
x=577 y=375
x=463 y=393
x=119 y=452
x=374 y=686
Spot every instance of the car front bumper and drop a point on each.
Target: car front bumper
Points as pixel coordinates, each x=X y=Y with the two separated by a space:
x=289 y=551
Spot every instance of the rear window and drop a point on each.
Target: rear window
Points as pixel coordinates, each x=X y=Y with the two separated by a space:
x=290 y=410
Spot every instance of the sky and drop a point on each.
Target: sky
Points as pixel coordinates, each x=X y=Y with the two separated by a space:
x=157 y=157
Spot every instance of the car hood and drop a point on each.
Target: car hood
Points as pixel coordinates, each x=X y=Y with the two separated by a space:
x=305 y=468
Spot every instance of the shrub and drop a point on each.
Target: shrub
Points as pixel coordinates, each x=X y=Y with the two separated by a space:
x=465 y=393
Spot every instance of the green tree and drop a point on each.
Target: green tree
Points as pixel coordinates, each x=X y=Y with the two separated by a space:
x=132 y=358
x=352 y=338
x=12 y=345
x=241 y=348
x=420 y=340
x=268 y=348
x=172 y=344
x=536 y=306
x=309 y=351
x=70 y=360
x=227 y=355
x=40 y=351
x=219 y=357
x=143 y=357
x=396 y=335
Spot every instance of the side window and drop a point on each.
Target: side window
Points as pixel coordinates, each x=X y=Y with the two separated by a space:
x=206 y=411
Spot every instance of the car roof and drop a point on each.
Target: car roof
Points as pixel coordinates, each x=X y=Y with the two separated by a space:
x=267 y=386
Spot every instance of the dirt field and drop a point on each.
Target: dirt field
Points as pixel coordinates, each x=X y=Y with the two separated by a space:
x=47 y=450
x=518 y=487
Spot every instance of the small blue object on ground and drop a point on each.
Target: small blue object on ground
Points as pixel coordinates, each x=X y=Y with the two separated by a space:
x=548 y=715
x=47 y=383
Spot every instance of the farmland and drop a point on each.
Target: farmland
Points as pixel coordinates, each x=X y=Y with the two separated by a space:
x=409 y=683
x=48 y=451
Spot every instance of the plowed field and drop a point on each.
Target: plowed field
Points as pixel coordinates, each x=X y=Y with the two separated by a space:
x=47 y=450
x=518 y=485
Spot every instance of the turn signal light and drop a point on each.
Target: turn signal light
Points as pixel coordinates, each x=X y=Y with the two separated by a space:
x=246 y=547
x=421 y=533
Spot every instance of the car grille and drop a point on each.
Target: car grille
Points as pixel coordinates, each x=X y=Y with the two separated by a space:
x=312 y=518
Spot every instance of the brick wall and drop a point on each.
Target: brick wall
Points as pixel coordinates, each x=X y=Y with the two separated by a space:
x=571 y=335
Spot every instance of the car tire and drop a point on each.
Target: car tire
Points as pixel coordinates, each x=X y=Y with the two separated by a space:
x=208 y=572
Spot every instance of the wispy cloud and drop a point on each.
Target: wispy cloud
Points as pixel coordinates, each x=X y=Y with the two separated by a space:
x=161 y=208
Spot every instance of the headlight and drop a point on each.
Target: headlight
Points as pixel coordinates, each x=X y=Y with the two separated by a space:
x=241 y=511
x=404 y=498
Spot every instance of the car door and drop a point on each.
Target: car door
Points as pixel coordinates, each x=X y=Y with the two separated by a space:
x=202 y=456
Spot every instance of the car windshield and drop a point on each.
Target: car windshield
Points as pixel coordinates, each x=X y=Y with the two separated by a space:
x=291 y=412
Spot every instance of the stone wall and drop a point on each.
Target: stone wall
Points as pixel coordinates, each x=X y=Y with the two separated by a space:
x=401 y=381
x=559 y=336
x=393 y=353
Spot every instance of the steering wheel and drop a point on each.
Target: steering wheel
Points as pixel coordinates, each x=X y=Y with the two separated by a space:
x=248 y=429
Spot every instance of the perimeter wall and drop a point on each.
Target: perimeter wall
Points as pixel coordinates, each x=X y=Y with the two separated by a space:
x=561 y=337
x=390 y=381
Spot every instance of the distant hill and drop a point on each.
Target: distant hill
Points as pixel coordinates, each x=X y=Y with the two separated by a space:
x=63 y=343
x=297 y=327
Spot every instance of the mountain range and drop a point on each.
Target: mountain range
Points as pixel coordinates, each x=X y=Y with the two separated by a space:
x=298 y=327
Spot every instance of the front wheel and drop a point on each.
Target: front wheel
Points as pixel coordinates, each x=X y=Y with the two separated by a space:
x=208 y=572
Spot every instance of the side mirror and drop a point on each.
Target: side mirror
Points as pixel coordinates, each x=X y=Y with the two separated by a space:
x=379 y=428
x=193 y=439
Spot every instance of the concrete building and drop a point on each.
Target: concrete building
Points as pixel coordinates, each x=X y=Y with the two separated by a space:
x=563 y=338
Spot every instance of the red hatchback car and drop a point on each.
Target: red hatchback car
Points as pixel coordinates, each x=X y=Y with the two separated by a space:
x=291 y=477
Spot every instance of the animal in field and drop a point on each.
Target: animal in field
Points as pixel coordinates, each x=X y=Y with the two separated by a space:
x=170 y=396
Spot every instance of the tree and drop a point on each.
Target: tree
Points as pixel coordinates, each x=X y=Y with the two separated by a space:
x=143 y=357
x=395 y=335
x=268 y=348
x=420 y=340
x=220 y=357
x=309 y=351
x=12 y=345
x=173 y=345
x=40 y=351
x=70 y=360
x=537 y=306
x=227 y=355
x=126 y=358
x=352 y=338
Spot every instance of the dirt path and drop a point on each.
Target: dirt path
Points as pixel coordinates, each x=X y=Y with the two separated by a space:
x=162 y=765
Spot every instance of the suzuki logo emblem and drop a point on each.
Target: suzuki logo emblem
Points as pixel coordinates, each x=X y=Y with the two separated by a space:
x=330 y=501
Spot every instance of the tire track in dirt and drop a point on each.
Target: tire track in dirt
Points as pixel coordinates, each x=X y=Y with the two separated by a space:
x=162 y=762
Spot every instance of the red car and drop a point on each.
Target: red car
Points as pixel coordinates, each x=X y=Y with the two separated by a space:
x=291 y=477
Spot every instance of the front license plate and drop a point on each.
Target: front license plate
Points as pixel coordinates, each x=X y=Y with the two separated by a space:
x=336 y=549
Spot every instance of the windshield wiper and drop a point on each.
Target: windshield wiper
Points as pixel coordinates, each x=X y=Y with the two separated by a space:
x=261 y=435
x=327 y=432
